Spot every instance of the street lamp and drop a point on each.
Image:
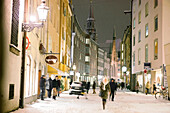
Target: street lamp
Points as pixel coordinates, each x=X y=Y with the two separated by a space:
x=28 y=27
x=124 y=69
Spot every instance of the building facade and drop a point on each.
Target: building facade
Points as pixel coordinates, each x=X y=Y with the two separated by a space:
x=125 y=56
x=148 y=25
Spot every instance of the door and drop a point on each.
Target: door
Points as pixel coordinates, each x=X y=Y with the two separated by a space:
x=39 y=76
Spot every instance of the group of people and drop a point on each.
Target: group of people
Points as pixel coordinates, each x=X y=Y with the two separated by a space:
x=107 y=88
x=147 y=87
x=52 y=85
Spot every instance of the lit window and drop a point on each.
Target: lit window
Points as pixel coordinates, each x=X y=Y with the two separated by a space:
x=146 y=30
x=87 y=59
x=156 y=49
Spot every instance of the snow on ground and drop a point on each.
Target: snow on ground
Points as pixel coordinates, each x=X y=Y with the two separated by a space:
x=125 y=102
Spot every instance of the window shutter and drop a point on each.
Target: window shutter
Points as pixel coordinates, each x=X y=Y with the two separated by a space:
x=15 y=22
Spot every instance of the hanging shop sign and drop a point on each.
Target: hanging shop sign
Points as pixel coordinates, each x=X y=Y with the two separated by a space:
x=51 y=59
x=27 y=42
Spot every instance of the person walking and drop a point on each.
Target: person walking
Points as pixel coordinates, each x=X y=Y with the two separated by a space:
x=113 y=88
x=104 y=90
x=42 y=86
x=147 y=87
x=94 y=87
x=137 y=87
x=154 y=87
x=88 y=87
x=49 y=86
x=54 y=85
x=58 y=86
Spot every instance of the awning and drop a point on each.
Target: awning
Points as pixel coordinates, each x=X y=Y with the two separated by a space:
x=53 y=70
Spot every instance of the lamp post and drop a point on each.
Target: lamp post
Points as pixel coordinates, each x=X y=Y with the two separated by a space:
x=28 y=27
x=74 y=68
x=124 y=69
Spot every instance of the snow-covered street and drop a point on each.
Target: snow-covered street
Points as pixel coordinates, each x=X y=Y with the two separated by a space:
x=125 y=102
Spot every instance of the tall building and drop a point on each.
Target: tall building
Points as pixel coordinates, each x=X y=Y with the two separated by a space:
x=91 y=30
x=125 y=56
x=150 y=42
x=78 y=43
x=11 y=21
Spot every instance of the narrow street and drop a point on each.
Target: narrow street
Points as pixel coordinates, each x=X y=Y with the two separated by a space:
x=125 y=102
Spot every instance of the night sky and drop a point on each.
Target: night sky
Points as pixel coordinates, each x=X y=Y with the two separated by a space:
x=108 y=14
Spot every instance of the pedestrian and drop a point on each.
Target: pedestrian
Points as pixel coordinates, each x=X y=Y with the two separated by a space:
x=94 y=87
x=154 y=87
x=147 y=87
x=49 y=86
x=54 y=85
x=104 y=90
x=137 y=87
x=42 y=86
x=113 y=88
x=58 y=86
x=122 y=85
x=88 y=87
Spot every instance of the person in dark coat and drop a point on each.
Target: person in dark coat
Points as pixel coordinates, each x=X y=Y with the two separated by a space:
x=104 y=90
x=113 y=88
x=122 y=85
x=54 y=85
x=49 y=86
x=94 y=87
x=88 y=87
x=58 y=86
x=42 y=86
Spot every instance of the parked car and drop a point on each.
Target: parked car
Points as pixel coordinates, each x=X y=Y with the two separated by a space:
x=77 y=88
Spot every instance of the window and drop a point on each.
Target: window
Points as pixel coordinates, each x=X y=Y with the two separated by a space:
x=139 y=2
x=156 y=23
x=87 y=59
x=146 y=30
x=139 y=17
x=87 y=41
x=11 y=91
x=134 y=23
x=15 y=22
x=155 y=3
x=156 y=49
x=146 y=9
x=134 y=58
x=146 y=53
x=139 y=56
x=134 y=40
x=139 y=36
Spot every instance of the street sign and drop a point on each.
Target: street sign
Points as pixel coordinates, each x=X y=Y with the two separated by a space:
x=147 y=65
x=51 y=59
